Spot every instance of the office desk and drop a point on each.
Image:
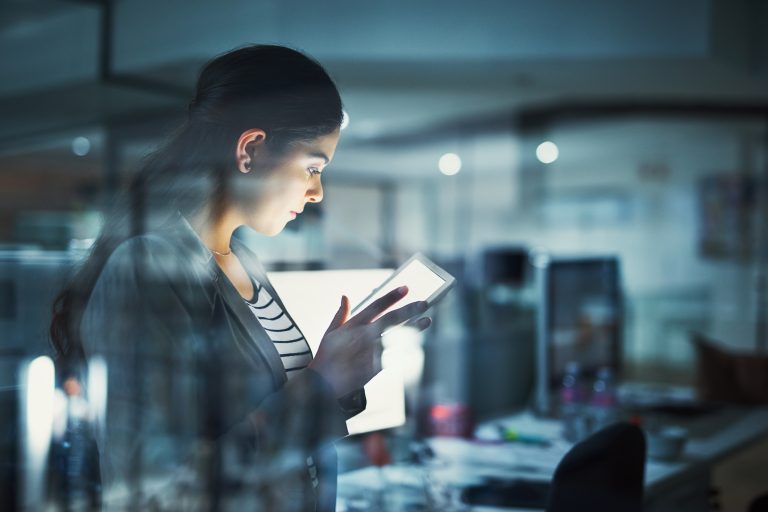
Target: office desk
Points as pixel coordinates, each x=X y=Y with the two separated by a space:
x=678 y=486
x=683 y=485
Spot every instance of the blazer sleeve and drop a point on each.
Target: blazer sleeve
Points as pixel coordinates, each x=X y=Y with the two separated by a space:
x=170 y=405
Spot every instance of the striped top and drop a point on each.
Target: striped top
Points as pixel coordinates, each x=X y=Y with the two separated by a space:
x=289 y=342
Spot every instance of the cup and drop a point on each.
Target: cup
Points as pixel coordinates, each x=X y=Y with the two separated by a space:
x=666 y=443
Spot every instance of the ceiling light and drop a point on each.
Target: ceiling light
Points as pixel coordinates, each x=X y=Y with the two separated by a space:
x=547 y=152
x=449 y=164
x=81 y=146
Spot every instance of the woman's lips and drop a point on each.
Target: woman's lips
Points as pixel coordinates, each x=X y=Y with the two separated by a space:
x=294 y=215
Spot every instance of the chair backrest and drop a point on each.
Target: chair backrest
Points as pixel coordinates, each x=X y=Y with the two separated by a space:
x=603 y=473
x=725 y=376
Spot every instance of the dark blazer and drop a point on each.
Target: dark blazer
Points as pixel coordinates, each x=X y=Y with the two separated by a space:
x=199 y=412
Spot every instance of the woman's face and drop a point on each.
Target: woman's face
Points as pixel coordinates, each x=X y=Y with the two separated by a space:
x=284 y=185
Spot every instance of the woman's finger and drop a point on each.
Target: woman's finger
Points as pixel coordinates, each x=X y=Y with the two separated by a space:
x=378 y=306
x=419 y=323
x=341 y=314
x=424 y=323
x=401 y=315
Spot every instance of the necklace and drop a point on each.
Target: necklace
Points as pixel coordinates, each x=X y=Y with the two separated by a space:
x=221 y=253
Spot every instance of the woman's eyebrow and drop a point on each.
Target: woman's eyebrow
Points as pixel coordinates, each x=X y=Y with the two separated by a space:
x=319 y=154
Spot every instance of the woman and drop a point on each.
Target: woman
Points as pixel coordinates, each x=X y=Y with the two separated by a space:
x=213 y=394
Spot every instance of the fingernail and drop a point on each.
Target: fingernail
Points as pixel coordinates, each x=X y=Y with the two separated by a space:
x=425 y=322
x=423 y=306
x=402 y=290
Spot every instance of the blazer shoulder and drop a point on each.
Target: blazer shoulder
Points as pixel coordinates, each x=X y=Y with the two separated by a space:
x=153 y=257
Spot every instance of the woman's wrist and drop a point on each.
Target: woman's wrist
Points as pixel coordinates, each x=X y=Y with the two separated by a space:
x=328 y=376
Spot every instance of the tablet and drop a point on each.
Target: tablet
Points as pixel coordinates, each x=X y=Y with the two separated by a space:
x=424 y=279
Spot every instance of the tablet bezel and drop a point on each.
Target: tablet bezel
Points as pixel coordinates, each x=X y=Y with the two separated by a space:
x=437 y=295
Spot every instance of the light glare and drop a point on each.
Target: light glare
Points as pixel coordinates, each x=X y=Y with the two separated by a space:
x=39 y=407
x=344 y=119
x=97 y=388
x=547 y=152
x=403 y=353
x=38 y=386
x=81 y=146
x=449 y=164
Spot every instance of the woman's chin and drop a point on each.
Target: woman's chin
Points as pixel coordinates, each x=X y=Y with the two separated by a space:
x=266 y=224
x=272 y=230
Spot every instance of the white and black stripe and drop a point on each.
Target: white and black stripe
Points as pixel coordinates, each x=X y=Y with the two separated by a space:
x=289 y=342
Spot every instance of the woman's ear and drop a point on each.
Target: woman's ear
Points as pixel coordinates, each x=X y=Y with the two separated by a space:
x=249 y=144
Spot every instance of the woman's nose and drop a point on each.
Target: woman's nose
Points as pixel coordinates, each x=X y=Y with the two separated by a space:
x=315 y=192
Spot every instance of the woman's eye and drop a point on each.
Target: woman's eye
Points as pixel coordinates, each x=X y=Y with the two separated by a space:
x=313 y=171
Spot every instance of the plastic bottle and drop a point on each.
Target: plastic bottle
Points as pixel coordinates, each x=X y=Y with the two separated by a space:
x=572 y=403
x=604 y=403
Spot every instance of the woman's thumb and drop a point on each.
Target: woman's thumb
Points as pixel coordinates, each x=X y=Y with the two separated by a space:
x=341 y=314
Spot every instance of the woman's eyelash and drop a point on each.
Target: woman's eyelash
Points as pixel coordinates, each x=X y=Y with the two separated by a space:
x=314 y=170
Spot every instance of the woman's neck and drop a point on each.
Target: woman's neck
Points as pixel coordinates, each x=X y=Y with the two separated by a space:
x=216 y=234
x=216 y=231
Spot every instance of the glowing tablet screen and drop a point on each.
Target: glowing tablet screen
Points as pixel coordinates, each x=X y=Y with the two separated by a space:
x=425 y=281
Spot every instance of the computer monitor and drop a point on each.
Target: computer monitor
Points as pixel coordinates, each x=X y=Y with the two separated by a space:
x=580 y=318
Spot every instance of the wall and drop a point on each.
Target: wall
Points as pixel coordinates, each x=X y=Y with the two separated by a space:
x=630 y=188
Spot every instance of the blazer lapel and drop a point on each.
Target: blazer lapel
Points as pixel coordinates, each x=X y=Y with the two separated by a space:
x=249 y=335
x=254 y=333
x=254 y=267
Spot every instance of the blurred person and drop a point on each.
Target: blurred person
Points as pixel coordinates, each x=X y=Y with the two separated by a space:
x=73 y=472
x=214 y=399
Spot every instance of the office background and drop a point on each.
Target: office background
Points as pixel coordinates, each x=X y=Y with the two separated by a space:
x=657 y=113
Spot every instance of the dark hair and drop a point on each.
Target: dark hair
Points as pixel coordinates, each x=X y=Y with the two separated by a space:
x=277 y=89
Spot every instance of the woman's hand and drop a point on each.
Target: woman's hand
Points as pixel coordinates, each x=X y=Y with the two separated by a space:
x=349 y=354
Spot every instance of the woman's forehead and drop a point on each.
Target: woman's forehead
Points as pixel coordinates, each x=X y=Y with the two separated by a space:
x=322 y=147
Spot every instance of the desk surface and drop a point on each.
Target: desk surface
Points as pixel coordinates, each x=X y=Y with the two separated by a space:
x=735 y=430
x=713 y=438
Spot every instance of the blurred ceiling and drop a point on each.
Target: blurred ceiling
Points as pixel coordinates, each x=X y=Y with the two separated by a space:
x=18 y=14
x=404 y=67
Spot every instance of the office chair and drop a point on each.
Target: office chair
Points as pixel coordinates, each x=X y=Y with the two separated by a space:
x=9 y=448
x=725 y=376
x=603 y=473
x=759 y=504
